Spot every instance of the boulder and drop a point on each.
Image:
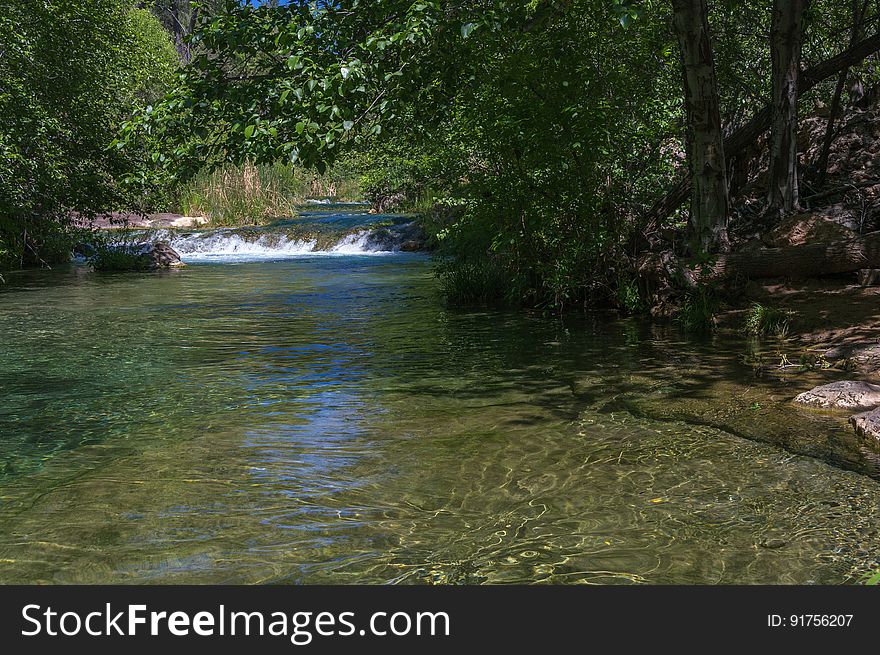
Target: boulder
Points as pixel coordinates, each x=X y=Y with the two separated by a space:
x=848 y=394
x=867 y=426
x=162 y=255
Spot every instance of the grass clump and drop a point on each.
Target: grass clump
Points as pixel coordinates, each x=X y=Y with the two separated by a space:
x=762 y=320
x=699 y=308
x=478 y=282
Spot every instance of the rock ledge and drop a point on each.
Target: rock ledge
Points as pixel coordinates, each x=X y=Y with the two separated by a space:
x=848 y=394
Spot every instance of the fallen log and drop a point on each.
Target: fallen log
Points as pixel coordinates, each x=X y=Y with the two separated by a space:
x=760 y=123
x=809 y=260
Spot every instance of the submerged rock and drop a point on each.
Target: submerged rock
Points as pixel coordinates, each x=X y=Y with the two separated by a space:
x=867 y=425
x=847 y=394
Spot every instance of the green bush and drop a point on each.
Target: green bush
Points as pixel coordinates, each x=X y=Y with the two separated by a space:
x=628 y=297
x=116 y=252
x=70 y=72
x=29 y=241
x=478 y=282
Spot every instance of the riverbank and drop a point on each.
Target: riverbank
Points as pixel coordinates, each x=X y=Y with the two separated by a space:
x=132 y=220
x=833 y=324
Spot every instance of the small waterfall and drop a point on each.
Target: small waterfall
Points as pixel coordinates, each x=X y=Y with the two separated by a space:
x=258 y=244
x=227 y=245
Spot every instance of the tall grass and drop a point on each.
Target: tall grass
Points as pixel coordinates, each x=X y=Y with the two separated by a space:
x=480 y=282
x=250 y=195
x=699 y=308
x=763 y=320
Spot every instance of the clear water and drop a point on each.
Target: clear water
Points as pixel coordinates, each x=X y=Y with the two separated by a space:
x=329 y=420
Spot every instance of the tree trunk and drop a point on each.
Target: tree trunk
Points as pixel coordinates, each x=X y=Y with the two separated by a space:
x=705 y=143
x=822 y=163
x=803 y=261
x=744 y=136
x=786 y=37
x=179 y=28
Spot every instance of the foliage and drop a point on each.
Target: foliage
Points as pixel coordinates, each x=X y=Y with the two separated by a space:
x=399 y=174
x=873 y=578
x=69 y=72
x=478 y=282
x=764 y=320
x=553 y=124
x=628 y=297
x=699 y=308
x=116 y=251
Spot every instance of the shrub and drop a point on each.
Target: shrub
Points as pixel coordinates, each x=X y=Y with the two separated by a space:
x=477 y=282
x=118 y=253
x=70 y=72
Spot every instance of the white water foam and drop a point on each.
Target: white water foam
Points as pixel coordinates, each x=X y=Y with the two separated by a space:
x=224 y=246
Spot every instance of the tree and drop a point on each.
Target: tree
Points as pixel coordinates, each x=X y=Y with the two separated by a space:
x=859 y=10
x=748 y=133
x=705 y=141
x=786 y=39
x=70 y=71
x=180 y=18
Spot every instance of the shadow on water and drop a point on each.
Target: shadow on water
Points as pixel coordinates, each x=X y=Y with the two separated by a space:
x=329 y=420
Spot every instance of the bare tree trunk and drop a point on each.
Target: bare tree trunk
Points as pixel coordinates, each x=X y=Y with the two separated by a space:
x=786 y=38
x=709 y=199
x=822 y=164
x=179 y=28
x=744 y=136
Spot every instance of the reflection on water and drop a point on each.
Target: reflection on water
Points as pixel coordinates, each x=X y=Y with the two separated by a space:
x=328 y=420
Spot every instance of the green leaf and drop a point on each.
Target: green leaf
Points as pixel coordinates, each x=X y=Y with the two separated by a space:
x=249 y=131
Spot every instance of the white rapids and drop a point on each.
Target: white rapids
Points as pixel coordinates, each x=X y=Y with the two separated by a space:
x=229 y=245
